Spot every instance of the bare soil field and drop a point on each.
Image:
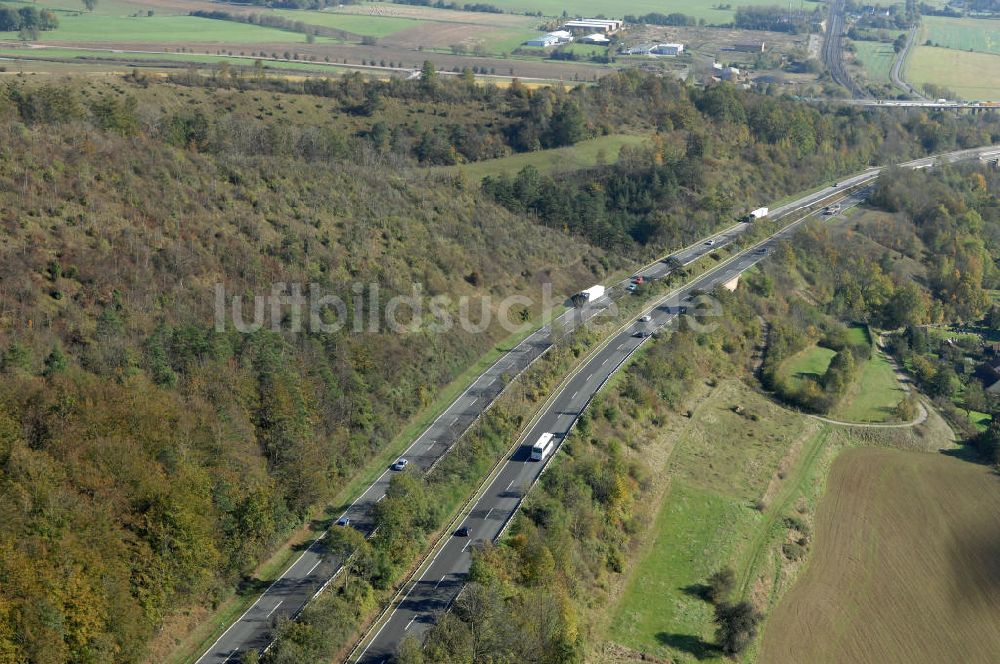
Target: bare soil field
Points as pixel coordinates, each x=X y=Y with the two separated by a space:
x=441 y=15
x=905 y=566
x=714 y=41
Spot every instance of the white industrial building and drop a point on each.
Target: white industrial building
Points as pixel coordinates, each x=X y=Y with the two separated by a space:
x=655 y=49
x=667 y=49
x=551 y=39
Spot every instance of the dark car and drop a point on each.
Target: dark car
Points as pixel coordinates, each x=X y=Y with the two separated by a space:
x=400 y=464
x=463 y=532
x=343 y=521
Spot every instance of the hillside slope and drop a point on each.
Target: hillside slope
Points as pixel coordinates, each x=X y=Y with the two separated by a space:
x=148 y=460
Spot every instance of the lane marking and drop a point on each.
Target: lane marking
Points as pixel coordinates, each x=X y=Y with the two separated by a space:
x=488 y=514
x=511 y=484
x=409 y=623
x=314 y=567
x=440 y=581
x=274 y=609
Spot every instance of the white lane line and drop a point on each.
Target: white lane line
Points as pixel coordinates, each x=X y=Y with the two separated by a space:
x=466 y=546
x=409 y=623
x=574 y=394
x=511 y=484
x=380 y=498
x=453 y=420
x=488 y=514
x=314 y=567
x=274 y=609
x=440 y=581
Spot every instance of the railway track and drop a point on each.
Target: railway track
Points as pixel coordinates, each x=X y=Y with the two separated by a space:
x=833 y=52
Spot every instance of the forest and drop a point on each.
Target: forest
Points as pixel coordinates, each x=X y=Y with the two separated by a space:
x=150 y=461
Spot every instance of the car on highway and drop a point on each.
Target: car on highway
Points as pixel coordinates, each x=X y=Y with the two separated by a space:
x=343 y=522
x=642 y=333
x=400 y=464
x=638 y=279
x=710 y=243
x=762 y=250
x=645 y=319
x=631 y=288
x=464 y=531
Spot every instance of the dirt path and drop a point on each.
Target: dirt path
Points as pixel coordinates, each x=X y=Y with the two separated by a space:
x=919 y=419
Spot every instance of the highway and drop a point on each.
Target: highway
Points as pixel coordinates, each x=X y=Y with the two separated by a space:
x=442 y=579
x=314 y=569
x=309 y=574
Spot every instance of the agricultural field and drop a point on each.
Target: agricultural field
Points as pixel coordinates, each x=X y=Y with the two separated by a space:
x=733 y=478
x=962 y=34
x=909 y=543
x=581 y=155
x=875 y=59
x=405 y=36
x=701 y=9
x=95 y=28
x=972 y=76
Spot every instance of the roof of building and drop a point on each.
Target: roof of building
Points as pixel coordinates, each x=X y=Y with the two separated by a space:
x=561 y=34
x=592 y=23
x=597 y=36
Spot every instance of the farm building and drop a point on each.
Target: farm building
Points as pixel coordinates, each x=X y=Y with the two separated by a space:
x=589 y=25
x=551 y=39
x=667 y=49
x=639 y=49
x=596 y=38
x=655 y=49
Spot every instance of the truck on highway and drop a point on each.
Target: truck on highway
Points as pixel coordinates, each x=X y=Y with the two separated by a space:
x=589 y=295
x=759 y=213
x=542 y=447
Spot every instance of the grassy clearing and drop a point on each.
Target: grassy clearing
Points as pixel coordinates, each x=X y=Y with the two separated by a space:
x=973 y=76
x=696 y=533
x=808 y=364
x=724 y=463
x=874 y=394
x=581 y=155
x=905 y=566
x=876 y=59
x=980 y=420
x=963 y=34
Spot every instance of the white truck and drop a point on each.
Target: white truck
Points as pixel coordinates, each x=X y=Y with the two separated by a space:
x=543 y=447
x=759 y=213
x=591 y=294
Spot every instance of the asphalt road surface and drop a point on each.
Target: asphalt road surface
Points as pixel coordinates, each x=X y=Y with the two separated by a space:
x=314 y=568
x=443 y=579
